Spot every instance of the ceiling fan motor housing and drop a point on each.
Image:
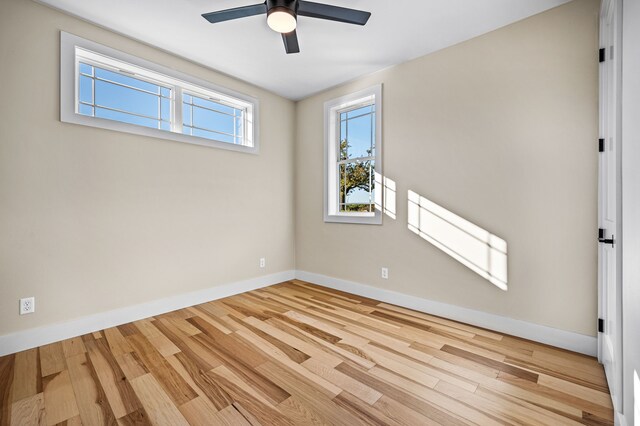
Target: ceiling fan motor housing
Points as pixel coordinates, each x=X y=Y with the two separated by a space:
x=289 y=6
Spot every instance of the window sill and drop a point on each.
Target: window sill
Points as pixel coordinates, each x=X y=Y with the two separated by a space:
x=355 y=218
x=118 y=126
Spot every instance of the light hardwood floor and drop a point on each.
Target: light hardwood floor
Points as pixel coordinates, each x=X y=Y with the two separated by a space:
x=294 y=354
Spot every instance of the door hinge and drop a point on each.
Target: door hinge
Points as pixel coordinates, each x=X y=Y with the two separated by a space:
x=600 y=145
x=600 y=325
x=601 y=55
x=602 y=239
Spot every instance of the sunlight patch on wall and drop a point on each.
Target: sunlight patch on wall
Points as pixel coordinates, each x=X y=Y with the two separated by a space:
x=636 y=397
x=477 y=249
x=385 y=200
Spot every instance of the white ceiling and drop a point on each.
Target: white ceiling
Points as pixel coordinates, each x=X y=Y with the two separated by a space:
x=331 y=52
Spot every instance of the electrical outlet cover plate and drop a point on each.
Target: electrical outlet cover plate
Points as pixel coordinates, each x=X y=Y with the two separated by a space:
x=27 y=305
x=263 y=262
x=385 y=273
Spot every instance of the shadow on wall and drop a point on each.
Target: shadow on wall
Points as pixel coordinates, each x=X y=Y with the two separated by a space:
x=477 y=249
x=385 y=200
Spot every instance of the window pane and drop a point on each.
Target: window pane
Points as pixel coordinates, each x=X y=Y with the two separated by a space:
x=86 y=69
x=126 y=118
x=239 y=126
x=186 y=114
x=125 y=99
x=356 y=190
x=165 y=125
x=360 y=111
x=166 y=109
x=359 y=136
x=211 y=120
x=165 y=92
x=129 y=81
x=212 y=105
x=86 y=89
x=85 y=109
x=212 y=135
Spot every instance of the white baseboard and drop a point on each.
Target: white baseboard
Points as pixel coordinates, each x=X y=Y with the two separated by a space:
x=22 y=340
x=27 y=339
x=552 y=336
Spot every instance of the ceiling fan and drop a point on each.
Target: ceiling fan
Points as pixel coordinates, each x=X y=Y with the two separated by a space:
x=282 y=16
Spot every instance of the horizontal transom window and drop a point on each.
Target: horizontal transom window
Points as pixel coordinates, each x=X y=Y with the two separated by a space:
x=102 y=87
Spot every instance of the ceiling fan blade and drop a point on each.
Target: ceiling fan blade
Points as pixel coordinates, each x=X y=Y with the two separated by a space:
x=291 y=42
x=332 y=13
x=235 y=13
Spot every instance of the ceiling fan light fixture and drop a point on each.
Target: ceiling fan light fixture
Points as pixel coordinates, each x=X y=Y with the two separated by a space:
x=281 y=20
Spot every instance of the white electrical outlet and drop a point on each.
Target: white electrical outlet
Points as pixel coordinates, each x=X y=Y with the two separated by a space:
x=385 y=273
x=27 y=305
x=263 y=262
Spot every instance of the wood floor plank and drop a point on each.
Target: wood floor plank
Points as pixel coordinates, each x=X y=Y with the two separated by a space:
x=405 y=397
x=131 y=365
x=162 y=344
x=509 y=405
x=210 y=319
x=92 y=402
x=305 y=390
x=299 y=413
x=7 y=364
x=27 y=377
x=199 y=411
x=341 y=350
x=72 y=347
x=229 y=417
x=341 y=380
x=204 y=358
x=501 y=366
x=117 y=343
x=570 y=388
x=113 y=381
x=59 y=399
x=137 y=418
x=205 y=382
x=51 y=359
x=160 y=408
x=434 y=397
x=295 y=354
x=238 y=364
x=29 y=411
x=265 y=413
x=169 y=379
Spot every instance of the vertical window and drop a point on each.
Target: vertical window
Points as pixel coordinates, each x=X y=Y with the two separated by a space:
x=352 y=158
x=356 y=162
x=102 y=87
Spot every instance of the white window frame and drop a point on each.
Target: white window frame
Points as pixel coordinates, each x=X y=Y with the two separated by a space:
x=332 y=110
x=73 y=47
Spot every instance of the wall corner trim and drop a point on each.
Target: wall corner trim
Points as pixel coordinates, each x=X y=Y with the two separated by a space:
x=31 y=338
x=551 y=336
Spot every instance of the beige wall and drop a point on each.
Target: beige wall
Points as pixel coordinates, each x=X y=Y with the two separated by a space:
x=502 y=131
x=92 y=220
